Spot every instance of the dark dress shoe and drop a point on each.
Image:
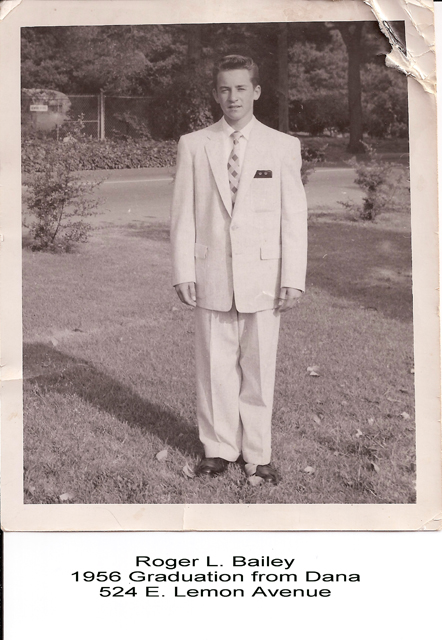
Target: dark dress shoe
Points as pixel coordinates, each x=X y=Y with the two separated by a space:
x=267 y=473
x=211 y=467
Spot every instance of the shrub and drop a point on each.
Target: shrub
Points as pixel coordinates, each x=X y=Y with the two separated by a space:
x=107 y=154
x=383 y=183
x=311 y=156
x=384 y=118
x=385 y=103
x=314 y=115
x=57 y=200
x=314 y=152
x=131 y=126
x=91 y=154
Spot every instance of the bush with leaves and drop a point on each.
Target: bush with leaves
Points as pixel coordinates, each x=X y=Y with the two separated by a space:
x=315 y=115
x=130 y=126
x=384 y=185
x=103 y=154
x=58 y=201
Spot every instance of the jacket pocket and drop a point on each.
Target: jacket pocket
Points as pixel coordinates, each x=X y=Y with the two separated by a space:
x=271 y=252
x=200 y=251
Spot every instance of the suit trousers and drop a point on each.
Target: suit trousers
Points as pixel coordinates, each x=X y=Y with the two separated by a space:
x=235 y=372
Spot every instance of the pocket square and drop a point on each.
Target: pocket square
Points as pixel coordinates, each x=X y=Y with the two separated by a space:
x=263 y=173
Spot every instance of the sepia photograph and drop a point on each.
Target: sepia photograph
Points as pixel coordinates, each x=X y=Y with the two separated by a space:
x=217 y=284
x=117 y=406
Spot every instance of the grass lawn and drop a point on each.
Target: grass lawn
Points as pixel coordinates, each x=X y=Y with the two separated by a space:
x=109 y=376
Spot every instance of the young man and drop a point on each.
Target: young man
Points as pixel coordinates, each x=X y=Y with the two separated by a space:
x=239 y=251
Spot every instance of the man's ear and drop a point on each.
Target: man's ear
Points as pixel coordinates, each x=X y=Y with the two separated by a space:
x=257 y=92
x=215 y=95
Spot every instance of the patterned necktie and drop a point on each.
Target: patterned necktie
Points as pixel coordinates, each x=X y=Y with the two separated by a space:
x=233 y=165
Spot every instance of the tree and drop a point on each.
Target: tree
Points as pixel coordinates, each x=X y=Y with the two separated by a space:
x=318 y=91
x=351 y=33
x=318 y=76
x=131 y=60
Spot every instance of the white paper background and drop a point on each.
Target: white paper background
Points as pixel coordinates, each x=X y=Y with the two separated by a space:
x=399 y=594
x=398 y=597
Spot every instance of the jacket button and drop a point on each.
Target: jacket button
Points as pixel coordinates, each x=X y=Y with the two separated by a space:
x=234 y=227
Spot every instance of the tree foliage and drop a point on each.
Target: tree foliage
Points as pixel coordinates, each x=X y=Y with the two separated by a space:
x=171 y=64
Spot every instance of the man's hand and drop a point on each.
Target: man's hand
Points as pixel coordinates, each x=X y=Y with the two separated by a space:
x=288 y=298
x=186 y=293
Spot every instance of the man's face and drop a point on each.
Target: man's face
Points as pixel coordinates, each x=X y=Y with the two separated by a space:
x=236 y=94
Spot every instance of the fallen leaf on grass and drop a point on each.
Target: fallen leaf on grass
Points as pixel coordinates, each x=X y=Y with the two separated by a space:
x=317 y=419
x=255 y=481
x=405 y=415
x=376 y=467
x=358 y=433
x=66 y=496
x=188 y=471
x=411 y=370
x=344 y=403
x=54 y=342
x=309 y=470
x=162 y=455
x=175 y=309
x=313 y=371
x=371 y=421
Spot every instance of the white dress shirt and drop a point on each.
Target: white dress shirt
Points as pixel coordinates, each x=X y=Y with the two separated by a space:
x=241 y=147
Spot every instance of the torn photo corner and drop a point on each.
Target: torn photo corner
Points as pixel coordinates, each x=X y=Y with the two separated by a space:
x=416 y=58
x=99 y=421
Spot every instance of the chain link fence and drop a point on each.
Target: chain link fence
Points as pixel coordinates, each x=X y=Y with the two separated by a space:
x=88 y=107
x=104 y=116
x=115 y=117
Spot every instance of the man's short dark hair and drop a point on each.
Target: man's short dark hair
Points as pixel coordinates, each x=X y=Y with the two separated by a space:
x=227 y=63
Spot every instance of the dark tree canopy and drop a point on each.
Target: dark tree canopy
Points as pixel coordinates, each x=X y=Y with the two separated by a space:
x=171 y=64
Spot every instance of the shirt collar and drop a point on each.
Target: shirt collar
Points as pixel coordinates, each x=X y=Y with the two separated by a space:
x=228 y=130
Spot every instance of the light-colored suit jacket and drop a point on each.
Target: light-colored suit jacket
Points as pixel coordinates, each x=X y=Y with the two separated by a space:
x=247 y=252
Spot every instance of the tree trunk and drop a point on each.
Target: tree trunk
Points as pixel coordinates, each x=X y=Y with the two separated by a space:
x=283 y=79
x=351 y=34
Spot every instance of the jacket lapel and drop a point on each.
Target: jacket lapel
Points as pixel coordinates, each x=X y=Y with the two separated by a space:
x=215 y=153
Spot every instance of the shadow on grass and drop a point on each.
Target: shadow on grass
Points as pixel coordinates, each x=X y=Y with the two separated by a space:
x=55 y=371
x=150 y=231
x=359 y=262
x=363 y=264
